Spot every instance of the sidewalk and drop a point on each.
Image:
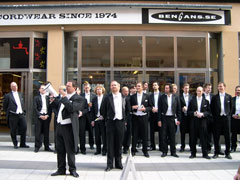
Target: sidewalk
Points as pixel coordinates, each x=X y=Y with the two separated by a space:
x=17 y=164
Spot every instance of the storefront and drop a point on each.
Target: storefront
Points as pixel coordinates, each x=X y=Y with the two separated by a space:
x=127 y=42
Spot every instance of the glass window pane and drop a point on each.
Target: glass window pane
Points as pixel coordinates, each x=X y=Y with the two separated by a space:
x=191 y=52
x=95 y=78
x=214 y=81
x=38 y=79
x=40 y=53
x=95 y=51
x=14 y=53
x=214 y=51
x=159 y=52
x=127 y=78
x=71 y=52
x=194 y=79
x=127 y=51
x=161 y=77
x=71 y=75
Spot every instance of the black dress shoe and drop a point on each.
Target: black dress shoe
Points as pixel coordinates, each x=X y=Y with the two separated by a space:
x=24 y=146
x=48 y=149
x=228 y=156
x=15 y=147
x=125 y=151
x=221 y=153
x=83 y=152
x=181 y=150
x=119 y=167
x=74 y=174
x=192 y=156
x=146 y=154
x=133 y=153
x=233 y=149
x=36 y=150
x=206 y=157
x=164 y=155
x=58 y=173
x=174 y=155
x=91 y=147
x=215 y=156
x=108 y=169
x=96 y=153
x=104 y=153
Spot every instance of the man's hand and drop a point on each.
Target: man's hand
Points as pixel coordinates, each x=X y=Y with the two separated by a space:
x=93 y=123
x=80 y=114
x=135 y=107
x=154 y=109
x=159 y=124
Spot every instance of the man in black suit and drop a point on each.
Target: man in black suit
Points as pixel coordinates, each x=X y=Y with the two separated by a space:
x=114 y=110
x=154 y=116
x=221 y=109
x=140 y=103
x=14 y=106
x=185 y=98
x=87 y=117
x=198 y=110
x=98 y=121
x=43 y=114
x=169 y=110
x=235 y=126
x=68 y=129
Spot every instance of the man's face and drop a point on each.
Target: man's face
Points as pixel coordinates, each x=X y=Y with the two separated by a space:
x=145 y=86
x=155 y=86
x=174 y=89
x=133 y=90
x=14 y=86
x=99 y=91
x=208 y=89
x=167 y=89
x=139 y=88
x=221 y=88
x=199 y=91
x=115 y=87
x=237 y=92
x=70 y=88
x=42 y=89
x=186 y=89
x=87 y=88
x=125 y=92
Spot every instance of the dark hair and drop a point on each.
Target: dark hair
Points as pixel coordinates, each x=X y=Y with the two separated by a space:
x=222 y=83
x=238 y=86
x=186 y=84
x=140 y=83
x=170 y=86
x=132 y=86
x=74 y=83
x=206 y=85
x=155 y=82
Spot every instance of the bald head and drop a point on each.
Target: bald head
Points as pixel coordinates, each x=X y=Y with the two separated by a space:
x=14 y=86
x=199 y=91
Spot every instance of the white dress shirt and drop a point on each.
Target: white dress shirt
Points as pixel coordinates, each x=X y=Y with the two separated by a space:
x=139 y=101
x=99 y=104
x=207 y=97
x=117 y=101
x=169 y=110
x=44 y=104
x=156 y=95
x=186 y=98
x=237 y=105
x=18 y=102
x=199 y=103
x=222 y=97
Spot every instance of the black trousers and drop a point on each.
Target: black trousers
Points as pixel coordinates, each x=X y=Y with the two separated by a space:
x=65 y=146
x=114 y=133
x=18 y=125
x=42 y=128
x=140 y=129
x=100 y=136
x=128 y=133
x=210 y=128
x=82 y=133
x=153 y=128
x=89 y=128
x=235 y=130
x=184 y=129
x=168 y=132
x=198 y=128
x=221 y=124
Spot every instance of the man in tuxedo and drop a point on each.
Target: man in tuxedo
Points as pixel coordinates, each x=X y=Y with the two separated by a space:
x=43 y=114
x=235 y=126
x=114 y=110
x=87 y=117
x=221 y=109
x=169 y=110
x=98 y=121
x=154 y=116
x=140 y=103
x=198 y=110
x=185 y=98
x=14 y=106
x=68 y=129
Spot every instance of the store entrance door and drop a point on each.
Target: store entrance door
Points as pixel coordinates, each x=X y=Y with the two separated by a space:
x=5 y=80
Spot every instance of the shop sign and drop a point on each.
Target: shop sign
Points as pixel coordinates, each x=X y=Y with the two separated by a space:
x=186 y=17
x=62 y=16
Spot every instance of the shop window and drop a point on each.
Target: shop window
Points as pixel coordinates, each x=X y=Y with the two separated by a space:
x=214 y=81
x=40 y=53
x=95 y=51
x=162 y=77
x=14 y=53
x=127 y=51
x=38 y=79
x=159 y=52
x=127 y=78
x=191 y=52
x=71 y=52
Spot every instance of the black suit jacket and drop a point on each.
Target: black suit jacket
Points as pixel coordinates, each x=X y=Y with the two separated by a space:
x=193 y=107
x=37 y=105
x=233 y=110
x=145 y=102
x=176 y=107
x=183 y=102
x=216 y=105
x=92 y=95
x=10 y=105
x=94 y=110
x=152 y=101
x=107 y=108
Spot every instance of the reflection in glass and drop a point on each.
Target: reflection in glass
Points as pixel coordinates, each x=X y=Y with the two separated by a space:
x=162 y=77
x=96 y=51
x=71 y=52
x=127 y=78
x=95 y=78
x=194 y=79
x=38 y=79
x=191 y=52
x=127 y=51
x=159 y=52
